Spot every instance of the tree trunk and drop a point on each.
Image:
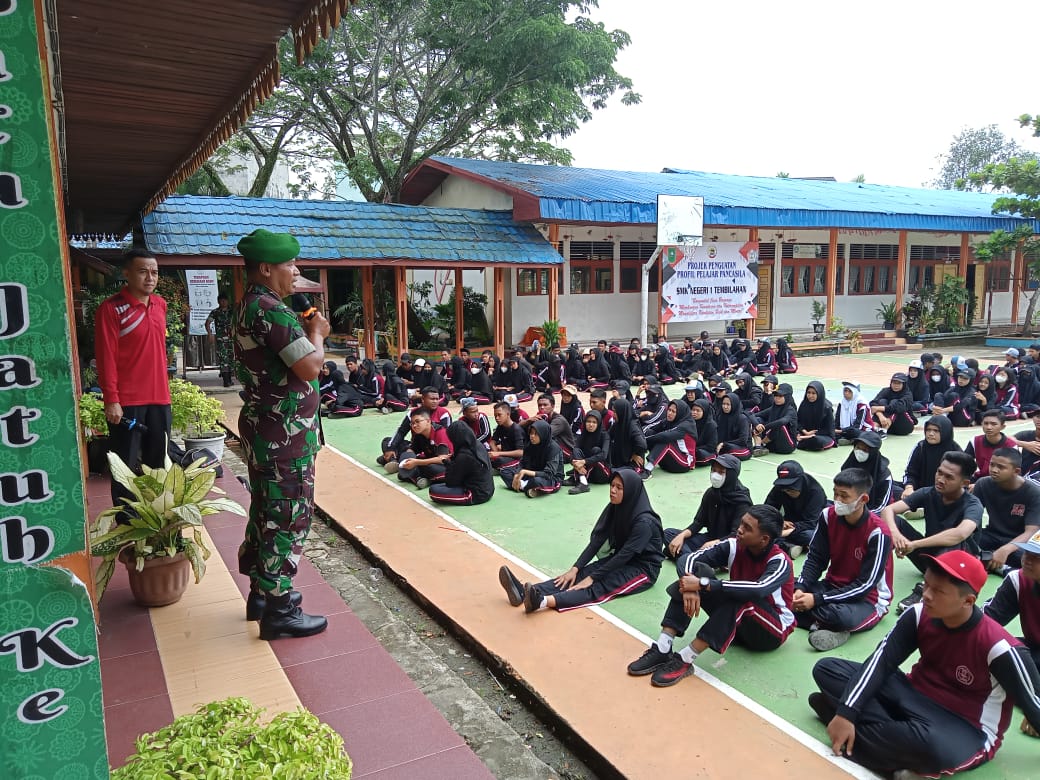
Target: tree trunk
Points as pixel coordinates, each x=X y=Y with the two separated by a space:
x=1033 y=299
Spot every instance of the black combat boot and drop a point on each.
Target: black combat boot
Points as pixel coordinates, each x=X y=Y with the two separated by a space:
x=282 y=619
x=258 y=600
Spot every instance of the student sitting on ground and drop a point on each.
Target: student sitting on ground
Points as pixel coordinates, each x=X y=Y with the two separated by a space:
x=853 y=414
x=1028 y=389
x=992 y=438
x=786 y=360
x=800 y=500
x=477 y=421
x=507 y=440
x=845 y=585
x=674 y=446
x=985 y=396
x=707 y=435
x=1012 y=505
x=1029 y=444
x=959 y=402
x=917 y=384
x=734 y=433
x=815 y=419
x=559 y=427
x=394 y=446
x=540 y=470
x=751 y=608
x=749 y=393
x=651 y=410
x=764 y=361
x=892 y=409
x=468 y=479
x=949 y=713
x=1007 y=393
x=777 y=424
x=951 y=516
x=477 y=384
x=866 y=455
x=571 y=409
x=425 y=459
x=1019 y=596
x=722 y=505
x=627 y=442
x=928 y=453
x=629 y=530
x=591 y=456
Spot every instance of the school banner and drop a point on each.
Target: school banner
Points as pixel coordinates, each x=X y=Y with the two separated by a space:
x=51 y=720
x=716 y=281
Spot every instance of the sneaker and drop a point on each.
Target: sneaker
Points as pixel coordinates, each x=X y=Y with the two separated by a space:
x=823 y=707
x=645 y=475
x=795 y=551
x=882 y=433
x=758 y=452
x=649 y=662
x=569 y=482
x=532 y=492
x=842 y=442
x=914 y=598
x=823 y=640
x=384 y=410
x=513 y=587
x=422 y=483
x=381 y=460
x=531 y=598
x=669 y=673
x=579 y=488
x=391 y=466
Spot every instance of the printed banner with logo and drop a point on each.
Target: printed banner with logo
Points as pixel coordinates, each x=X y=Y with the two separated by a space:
x=51 y=718
x=716 y=281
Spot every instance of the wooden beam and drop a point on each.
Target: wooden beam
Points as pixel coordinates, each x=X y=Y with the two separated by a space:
x=459 y=323
x=1017 y=280
x=323 y=280
x=832 y=274
x=401 y=303
x=962 y=272
x=238 y=283
x=500 y=311
x=901 y=258
x=368 y=309
x=749 y=323
x=553 y=294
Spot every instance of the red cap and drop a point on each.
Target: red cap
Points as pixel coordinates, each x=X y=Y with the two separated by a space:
x=962 y=566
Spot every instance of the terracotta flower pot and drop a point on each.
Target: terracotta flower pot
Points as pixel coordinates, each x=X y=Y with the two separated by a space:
x=162 y=581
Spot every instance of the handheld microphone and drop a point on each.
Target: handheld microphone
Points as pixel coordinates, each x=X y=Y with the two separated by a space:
x=302 y=305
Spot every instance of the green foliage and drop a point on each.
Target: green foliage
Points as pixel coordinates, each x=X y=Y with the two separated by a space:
x=474 y=316
x=224 y=741
x=950 y=297
x=972 y=151
x=550 y=332
x=837 y=329
x=166 y=502
x=819 y=311
x=887 y=312
x=194 y=412
x=174 y=290
x=92 y=416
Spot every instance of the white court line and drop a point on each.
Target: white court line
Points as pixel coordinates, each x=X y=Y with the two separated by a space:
x=800 y=736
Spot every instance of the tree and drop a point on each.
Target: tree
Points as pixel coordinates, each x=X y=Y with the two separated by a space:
x=1020 y=176
x=859 y=179
x=971 y=151
x=402 y=80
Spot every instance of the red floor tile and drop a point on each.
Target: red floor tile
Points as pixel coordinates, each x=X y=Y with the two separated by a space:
x=131 y=678
x=226 y=537
x=227 y=519
x=125 y=635
x=307 y=575
x=322 y=599
x=124 y=723
x=345 y=634
x=459 y=763
x=391 y=731
x=346 y=680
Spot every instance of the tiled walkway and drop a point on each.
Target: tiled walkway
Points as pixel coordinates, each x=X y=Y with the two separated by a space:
x=157 y=664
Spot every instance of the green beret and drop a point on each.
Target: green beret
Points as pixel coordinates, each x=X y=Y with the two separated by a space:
x=263 y=246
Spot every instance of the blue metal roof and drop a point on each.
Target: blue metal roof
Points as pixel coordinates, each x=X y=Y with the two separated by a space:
x=333 y=230
x=628 y=197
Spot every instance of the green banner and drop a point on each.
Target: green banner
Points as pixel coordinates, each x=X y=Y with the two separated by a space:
x=51 y=714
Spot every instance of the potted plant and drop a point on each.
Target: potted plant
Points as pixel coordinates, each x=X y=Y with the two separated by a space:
x=888 y=313
x=95 y=431
x=228 y=739
x=819 y=311
x=552 y=333
x=158 y=556
x=195 y=416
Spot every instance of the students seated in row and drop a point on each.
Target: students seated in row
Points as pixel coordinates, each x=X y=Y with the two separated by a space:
x=989 y=441
x=627 y=442
x=673 y=446
x=1012 y=506
x=626 y=542
x=777 y=424
x=959 y=402
x=752 y=607
x=707 y=435
x=425 y=459
x=393 y=446
x=723 y=504
x=507 y=440
x=1019 y=596
x=734 y=433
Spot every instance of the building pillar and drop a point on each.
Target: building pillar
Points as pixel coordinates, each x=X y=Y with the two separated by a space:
x=368 y=311
x=749 y=323
x=554 y=289
x=459 y=324
x=832 y=274
x=1017 y=283
x=499 y=307
x=962 y=272
x=323 y=280
x=401 y=304
x=901 y=258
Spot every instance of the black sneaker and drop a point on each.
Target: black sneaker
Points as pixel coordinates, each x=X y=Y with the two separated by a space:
x=914 y=598
x=569 y=482
x=579 y=488
x=669 y=673
x=822 y=706
x=531 y=598
x=649 y=662
x=513 y=587
x=645 y=475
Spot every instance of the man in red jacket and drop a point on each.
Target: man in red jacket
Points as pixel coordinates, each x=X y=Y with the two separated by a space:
x=130 y=346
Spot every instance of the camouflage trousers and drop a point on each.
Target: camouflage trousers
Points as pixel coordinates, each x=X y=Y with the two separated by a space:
x=225 y=353
x=280 y=513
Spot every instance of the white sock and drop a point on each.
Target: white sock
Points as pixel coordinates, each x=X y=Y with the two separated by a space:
x=544 y=603
x=583 y=479
x=523 y=484
x=688 y=654
x=648 y=466
x=664 y=642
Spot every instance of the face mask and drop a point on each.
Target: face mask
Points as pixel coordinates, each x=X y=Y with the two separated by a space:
x=504 y=369
x=1001 y=380
x=936 y=377
x=844 y=510
x=717 y=480
x=860 y=455
x=475 y=370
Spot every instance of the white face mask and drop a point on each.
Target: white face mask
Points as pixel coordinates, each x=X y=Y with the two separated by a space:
x=860 y=455
x=844 y=510
x=1001 y=379
x=936 y=377
x=475 y=370
x=503 y=369
x=717 y=480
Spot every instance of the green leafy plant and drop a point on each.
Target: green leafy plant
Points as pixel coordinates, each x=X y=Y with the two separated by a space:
x=837 y=329
x=887 y=312
x=194 y=413
x=550 y=332
x=92 y=416
x=950 y=297
x=819 y=311
x=166 y=502
x=224 y=740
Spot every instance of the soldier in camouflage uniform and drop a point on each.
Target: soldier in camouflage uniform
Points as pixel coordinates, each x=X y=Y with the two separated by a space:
x=218 y=323
x=278 y=361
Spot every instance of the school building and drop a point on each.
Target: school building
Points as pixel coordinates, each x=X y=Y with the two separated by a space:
x=851 y=245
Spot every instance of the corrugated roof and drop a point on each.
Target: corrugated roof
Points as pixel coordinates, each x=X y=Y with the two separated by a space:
x=334 y=230
x=627 y=197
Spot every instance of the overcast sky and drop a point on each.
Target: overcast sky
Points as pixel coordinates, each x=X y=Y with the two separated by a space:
x=812 y=88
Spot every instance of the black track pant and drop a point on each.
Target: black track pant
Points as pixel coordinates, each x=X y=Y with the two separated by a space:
x=751 y=624
x=839 y=616
x=988 y=541
x=622 y=581
x=917 y=557
x=134 y=447
x=901 y=728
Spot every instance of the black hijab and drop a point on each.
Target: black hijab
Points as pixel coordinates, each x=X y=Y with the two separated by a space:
x=989 y=391
x=537 y=456
x=932 y=454
x=876 y=465
x=615 y=522
x=732 y=490
x=597 y=366
x=588 y=441
x=665 y=364
x=1028 y=384
x=625 y=434
x=683 y=419
x=816 y=415
x=733 y=427
x=462 y=439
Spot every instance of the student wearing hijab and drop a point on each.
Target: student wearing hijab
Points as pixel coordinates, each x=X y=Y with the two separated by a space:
x=629 y=530
x=551 y=376
x=590 y=458
x=938 y=379
x=718 y=358
x=616 y=363
x=768 y=384
x=707 y=435
x=741 y=356
x=800 y=499
x=468 y=479
x=749 y=393
x=596 y=369
x=786 y=360
x=985 y=396
x=866 y=456
x=958 y=403
x=425 y=376
x=917 y=384
x=540 y=470
x=722 y=506
x=1028 y=389
x=778 y=423
x=644 y=366
x=627 y=442
x=1007 y=393
x=651 y=413
x=329 y=380
x=853 y=414
x=733 y=430
x=893 y=407
x=574 y=369
x=765 y=359
x=667 y=373
x=815 y=419
x=515 y=381
x=928 y=453
x=674 y=446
